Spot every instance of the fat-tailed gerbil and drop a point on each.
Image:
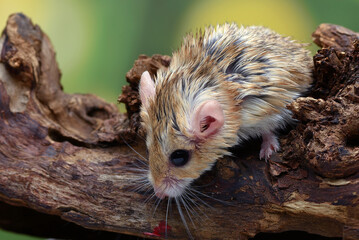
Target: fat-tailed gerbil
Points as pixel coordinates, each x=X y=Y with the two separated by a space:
x=223 y=86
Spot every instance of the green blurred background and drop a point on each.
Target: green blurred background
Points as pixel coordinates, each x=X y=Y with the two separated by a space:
x=97 y=41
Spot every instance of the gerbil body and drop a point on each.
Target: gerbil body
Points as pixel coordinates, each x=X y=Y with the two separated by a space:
x=223 y=86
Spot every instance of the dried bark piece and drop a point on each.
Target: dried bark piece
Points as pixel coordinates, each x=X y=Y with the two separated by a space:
x=130 y=95
x=334 y=70
x=32 y=69
x=144 y=63
x=335 y=36
x=327 y=136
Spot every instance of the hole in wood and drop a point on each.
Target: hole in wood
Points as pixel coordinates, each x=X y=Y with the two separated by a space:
x=308 y=135
x=56 y=136
x=353 y=141
x=98 y=113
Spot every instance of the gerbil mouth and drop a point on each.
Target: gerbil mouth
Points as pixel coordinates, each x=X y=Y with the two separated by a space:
x=170 y=187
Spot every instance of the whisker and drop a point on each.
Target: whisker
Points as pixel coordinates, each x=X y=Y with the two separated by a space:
x=159 y=199
x=171 y=206
x=188 y=214
x=183 y=218
x=141 y=167
x=140 y=187
x=149 y=198
x=145 y=163
x=148 y=190
x=133 y=148
x=142 y=179
x=143 y=190
x=157 y=203
x=188 y=200
x=140 y=136
x=138 y=166
x=192 y=194
x=134 y=168
x=213 y=198
x=168 y=205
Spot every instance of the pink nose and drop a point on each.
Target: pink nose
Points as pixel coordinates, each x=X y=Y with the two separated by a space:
x=159 y=193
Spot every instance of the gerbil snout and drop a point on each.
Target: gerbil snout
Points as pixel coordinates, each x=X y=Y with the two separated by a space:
x=169 y=187
x=168 y=174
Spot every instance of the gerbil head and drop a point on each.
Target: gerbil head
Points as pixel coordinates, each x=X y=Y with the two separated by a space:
x=183 y=134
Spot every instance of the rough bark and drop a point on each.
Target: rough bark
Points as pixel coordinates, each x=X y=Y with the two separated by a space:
x=65 y=155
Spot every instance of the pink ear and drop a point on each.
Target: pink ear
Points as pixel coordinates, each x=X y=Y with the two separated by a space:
x=207 y=119
x=147 y=88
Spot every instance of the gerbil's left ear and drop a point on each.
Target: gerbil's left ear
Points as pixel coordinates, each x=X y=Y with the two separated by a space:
x=147 y=88
x=207 y=119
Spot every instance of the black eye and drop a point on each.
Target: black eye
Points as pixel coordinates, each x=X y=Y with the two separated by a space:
x=179 y=157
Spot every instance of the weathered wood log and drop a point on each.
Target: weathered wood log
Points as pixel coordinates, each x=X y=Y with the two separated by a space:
x=66 y=155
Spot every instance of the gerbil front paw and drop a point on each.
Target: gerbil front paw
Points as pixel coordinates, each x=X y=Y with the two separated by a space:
x=269 y=145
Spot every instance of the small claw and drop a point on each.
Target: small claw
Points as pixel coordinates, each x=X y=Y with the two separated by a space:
x=269 y=145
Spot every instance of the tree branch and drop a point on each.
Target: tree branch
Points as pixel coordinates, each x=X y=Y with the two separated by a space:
x=65 y=155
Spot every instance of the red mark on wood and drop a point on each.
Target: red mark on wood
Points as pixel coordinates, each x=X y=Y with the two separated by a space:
x=160 y=230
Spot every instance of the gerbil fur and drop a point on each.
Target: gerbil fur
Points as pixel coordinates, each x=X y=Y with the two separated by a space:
x=224 y=85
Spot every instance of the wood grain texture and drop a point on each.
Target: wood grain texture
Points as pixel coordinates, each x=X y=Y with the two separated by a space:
x=65 y=155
